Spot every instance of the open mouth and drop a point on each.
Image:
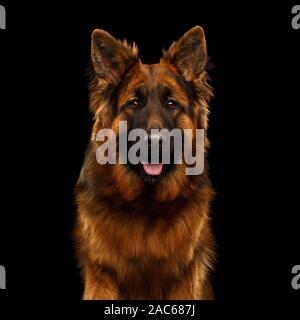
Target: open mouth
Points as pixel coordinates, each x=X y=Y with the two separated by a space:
x=153 y=169
x=150 y=172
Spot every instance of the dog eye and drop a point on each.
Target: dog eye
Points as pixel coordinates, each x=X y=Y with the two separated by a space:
x=135 y=103
x=172 y=104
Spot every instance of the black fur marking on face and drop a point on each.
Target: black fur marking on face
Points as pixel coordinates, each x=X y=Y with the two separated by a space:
x=151 y=180
x=190 y=92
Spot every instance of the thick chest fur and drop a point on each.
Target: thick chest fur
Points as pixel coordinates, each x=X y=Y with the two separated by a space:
x=145 y=252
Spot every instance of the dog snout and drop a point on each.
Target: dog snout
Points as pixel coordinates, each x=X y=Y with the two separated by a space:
x=156 y=137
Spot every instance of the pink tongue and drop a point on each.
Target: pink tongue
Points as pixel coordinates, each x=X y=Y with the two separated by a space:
x=153 y=169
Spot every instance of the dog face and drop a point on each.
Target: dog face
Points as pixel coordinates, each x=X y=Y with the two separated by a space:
x=171 y=94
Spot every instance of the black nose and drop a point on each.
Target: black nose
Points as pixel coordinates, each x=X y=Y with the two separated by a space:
x=155 y=137
x=154 y=141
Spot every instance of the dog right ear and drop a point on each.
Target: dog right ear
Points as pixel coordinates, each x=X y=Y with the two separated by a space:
x=111 y=58
x=188 y=54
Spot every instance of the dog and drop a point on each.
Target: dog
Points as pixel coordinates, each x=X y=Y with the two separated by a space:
x=143 y=231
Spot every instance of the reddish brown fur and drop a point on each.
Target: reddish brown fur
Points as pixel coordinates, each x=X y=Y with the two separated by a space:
x=133 y=245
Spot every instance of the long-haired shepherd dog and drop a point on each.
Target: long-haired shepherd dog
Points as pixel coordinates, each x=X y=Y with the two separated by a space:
x=143 y=230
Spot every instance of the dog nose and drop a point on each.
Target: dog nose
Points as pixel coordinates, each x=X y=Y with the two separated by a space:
x=156 y=137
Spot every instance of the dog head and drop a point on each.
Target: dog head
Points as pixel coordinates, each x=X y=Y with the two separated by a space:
x=172 y=94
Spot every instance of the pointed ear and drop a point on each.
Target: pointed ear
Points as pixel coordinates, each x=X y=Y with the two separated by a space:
x=111 y=58
x=188 y=54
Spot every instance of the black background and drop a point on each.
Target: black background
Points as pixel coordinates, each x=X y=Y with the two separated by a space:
x=45 y=126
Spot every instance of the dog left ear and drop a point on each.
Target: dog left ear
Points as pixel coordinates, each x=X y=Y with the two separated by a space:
x=188 y=54
x=111 y=58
